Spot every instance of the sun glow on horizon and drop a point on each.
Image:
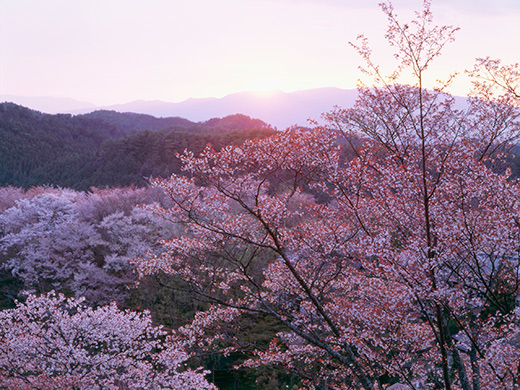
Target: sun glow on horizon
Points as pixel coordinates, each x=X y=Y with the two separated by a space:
x=264 y=87
x=114 y=52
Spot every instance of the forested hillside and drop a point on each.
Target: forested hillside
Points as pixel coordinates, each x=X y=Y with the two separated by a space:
x=38 y=148
x=133 y=159
x=105 y=148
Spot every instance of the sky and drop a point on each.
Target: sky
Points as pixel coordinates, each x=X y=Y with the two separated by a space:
x=115 y=51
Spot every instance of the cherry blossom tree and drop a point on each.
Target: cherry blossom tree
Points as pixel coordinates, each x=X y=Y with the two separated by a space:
x=78 y=243
x=406 y=270
x=53 y=342
x=45 y=244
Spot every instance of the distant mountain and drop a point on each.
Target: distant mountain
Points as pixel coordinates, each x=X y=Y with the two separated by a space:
x=279 y=109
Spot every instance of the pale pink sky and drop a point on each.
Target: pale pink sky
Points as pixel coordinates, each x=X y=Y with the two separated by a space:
x=115 y=51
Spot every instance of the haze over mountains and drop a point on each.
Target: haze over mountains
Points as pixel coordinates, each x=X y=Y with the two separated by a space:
x=279 y=109
x=48 y=104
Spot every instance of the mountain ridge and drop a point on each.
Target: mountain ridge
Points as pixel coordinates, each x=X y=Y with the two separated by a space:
x=278 y=108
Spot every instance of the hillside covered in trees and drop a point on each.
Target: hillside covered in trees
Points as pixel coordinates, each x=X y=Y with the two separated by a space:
x=105 y=148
